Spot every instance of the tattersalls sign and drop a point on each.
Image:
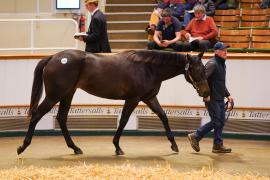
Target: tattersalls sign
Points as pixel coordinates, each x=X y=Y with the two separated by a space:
x=139 y=111
x=246 y=117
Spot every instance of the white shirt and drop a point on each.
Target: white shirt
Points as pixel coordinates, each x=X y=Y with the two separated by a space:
x=92 y=13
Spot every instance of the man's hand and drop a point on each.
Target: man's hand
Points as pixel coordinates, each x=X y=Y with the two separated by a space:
x=187 y=36
x=80 y=38
x=153 y=27
x=230 y=99
x=164 y=43
x=206 y=99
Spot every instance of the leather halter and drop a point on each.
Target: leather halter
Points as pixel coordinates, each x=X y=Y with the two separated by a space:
x=189 y=78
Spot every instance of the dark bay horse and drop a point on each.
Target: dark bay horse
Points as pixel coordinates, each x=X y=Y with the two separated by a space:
x=132 y=76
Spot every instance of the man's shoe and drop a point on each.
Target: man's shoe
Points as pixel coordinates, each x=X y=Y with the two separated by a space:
x=194 y=142
x=220 y=149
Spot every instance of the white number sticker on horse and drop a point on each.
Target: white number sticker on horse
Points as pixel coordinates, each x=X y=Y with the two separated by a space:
x=64 y=60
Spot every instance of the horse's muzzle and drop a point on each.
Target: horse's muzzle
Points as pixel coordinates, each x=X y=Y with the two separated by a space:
x=205 y=94
x=203 y=90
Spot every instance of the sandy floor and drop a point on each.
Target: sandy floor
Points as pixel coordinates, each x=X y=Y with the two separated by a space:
x=248 y=156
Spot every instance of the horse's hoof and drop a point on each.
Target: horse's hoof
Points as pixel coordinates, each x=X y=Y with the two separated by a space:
x=78 y=151
x=119 y=152
x=175 y=148
x=20 y=149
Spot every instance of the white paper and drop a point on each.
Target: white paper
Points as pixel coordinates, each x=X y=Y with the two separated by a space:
x=192 y=39
x=77 y=35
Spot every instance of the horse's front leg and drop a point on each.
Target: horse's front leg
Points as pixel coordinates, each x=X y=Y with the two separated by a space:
x=129 y=106
x=156 y=108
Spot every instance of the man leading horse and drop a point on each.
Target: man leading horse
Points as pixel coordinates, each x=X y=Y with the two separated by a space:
x=216 y=75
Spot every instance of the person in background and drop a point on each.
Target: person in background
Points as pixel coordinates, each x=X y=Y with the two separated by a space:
x=209 y=10
x=177 y=8
x=97 y=37
x=154 y=18
x=216 y=77
x=232 y=4
x=265 y=4
x=221 y=4
x=167 y=34
x=201 y=32
x=189 y=4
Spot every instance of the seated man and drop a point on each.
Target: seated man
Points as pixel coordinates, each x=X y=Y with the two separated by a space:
x=177 y=8
x=201 y=32
x=265 y=4
x=209 y=10
x=167 y=33
x=221 y=4
x=189 y=4
x=154 y=18
x=232 y=4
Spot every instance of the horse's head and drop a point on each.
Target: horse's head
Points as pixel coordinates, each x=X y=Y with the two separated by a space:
x=195 y=74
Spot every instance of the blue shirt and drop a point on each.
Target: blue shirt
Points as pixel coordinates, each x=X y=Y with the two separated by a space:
x=168 y=32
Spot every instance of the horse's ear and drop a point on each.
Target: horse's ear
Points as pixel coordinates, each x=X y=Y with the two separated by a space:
x=200 y=55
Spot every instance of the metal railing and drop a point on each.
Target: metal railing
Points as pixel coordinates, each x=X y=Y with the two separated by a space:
x=32 y=48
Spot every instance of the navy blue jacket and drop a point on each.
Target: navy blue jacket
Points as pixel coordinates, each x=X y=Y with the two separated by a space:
x=216 y=77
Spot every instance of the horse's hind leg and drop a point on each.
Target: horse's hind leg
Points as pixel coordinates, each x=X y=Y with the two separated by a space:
x=156 y=108
x=129 y=106
x=62 y=120
x=43 y=108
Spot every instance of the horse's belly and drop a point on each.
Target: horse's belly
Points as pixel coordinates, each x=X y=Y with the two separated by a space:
x=111 y=91
x=114 y=82
x=110 y=95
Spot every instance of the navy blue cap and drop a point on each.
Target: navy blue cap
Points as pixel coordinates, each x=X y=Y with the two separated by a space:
x=220 y=46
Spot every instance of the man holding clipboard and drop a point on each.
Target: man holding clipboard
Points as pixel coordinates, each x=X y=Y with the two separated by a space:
x=96 y=38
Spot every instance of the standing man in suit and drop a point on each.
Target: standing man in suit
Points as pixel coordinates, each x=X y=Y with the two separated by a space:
x=97 y=37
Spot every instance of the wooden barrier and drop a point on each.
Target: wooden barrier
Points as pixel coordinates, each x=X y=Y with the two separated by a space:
x=231 y=56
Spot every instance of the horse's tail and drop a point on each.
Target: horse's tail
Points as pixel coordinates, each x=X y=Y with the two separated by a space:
x=37 y=86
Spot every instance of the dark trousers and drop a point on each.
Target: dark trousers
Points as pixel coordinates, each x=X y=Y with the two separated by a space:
x=217 y=114
x=196 y=45
x=201 y=45
x=175 y=46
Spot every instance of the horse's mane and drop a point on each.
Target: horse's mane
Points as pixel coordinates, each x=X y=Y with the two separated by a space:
x=156 y=57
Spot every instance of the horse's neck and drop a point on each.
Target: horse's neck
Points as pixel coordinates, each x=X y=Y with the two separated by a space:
x=169 y=71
